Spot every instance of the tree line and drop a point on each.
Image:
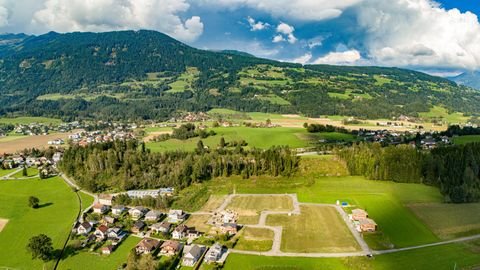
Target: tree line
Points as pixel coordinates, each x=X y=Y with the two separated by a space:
x=128 y=165
x=454 y=169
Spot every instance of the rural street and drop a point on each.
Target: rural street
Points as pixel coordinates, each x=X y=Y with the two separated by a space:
x=277 y=230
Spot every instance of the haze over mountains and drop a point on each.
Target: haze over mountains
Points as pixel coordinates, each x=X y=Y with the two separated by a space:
x=471 y=78
x=146 y=74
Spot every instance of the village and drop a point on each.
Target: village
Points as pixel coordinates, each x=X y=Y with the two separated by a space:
x=163 y=234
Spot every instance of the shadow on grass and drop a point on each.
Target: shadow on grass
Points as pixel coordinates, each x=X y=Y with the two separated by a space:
x=43 y=205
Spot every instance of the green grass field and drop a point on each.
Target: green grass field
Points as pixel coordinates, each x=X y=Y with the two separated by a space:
x=29 y=120
x=447 y=257
x=274 y=99
x=316 y=229
x=11 y=138
x=57 y=212
x=249 y=207
x=31 y=171
x=184 y=81
x=441 y=113
x=255 y=137
x=255 y=239
x=450 y=220
x=5 y=172
x=88 y=260
x=199 y=222
x=85 y=96
x=466 y=139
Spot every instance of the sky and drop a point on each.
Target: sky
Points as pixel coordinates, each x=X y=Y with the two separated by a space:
x=440 y=37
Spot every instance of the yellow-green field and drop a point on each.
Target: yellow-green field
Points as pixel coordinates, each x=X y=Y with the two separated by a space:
x=199 y=222
x=450 y=220
x=316 y=229
x=255 y=239
x=29 y=120
x=184 y=81
x=441 y=114
x=249 y=207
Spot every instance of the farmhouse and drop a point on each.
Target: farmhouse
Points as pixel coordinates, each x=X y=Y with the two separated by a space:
x=105 y=199
x=107 y=250
x=214 y=254
x=84 y=228
x=170 y=248
x=368 y=225
x=162 y=227
x=100 y=208
x=118 y=210
x=146 y=246
x=359 y=214
x=191 y=254
x=137 y=212
x=176 y=216
x=138 y=226
x=101 y=232
x=153 y=215
x=180 y=232
x=107 y=220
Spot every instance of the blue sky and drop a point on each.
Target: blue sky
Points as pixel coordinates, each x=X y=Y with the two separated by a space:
x=440 y=37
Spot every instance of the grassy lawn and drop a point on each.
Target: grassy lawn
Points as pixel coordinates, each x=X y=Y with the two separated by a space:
x=249 y=207
x=88 y=260
x=199 y=222
x=447 y=257
x=384 y=201
x=29 y=120
x=316 y=229
x=274 y=99
x=184 y=81
x=213 y=203
x=450 y=220
x=87 y=200
x=85 y=96
x=255 y=239
x=11 y=138
x=466 y=139
x=441 y=113
x=31 y=171
x=59 y=207
x=5 y=172
x=255 y=137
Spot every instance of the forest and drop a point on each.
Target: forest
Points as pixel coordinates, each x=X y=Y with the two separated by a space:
x=118 y=166
x=128 y=75
x=455 y=170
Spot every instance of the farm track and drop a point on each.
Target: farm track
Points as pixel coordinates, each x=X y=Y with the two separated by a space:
x=277 y=230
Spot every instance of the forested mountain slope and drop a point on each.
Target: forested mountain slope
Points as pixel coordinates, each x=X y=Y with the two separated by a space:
x=148 y=75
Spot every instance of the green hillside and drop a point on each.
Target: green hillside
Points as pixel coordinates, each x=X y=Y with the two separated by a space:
x=148 y=75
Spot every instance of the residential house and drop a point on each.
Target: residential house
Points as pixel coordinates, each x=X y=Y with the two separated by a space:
x=100 y=208
x=101 y=232
x=146 y=246
x=138 y=226
x=84 y=228
x=191 y=254
x=359 y=214
x=214 y=254
x=108 y=249
x=153 y=215
x=57 y=157
x=116 y=233
x=193 y=234
x=162 y=227
x=176 y=216
x=105 y=199
x=229 y=228
x=117 y=210
x=180 y=232
x=137 y=212
x=170 y=248
x=108 y=220
x=143 y=193
x=368 y=225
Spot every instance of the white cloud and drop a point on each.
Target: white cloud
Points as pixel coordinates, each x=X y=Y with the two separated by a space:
x=278 y=38
x=302 y=10
x=257 y=25
x=285 y=33
x=419 y=33
x=107 y=15
x=340 y=58
x=304 y=59
x=3 y=16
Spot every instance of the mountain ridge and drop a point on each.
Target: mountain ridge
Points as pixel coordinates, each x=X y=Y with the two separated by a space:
x=151 y=76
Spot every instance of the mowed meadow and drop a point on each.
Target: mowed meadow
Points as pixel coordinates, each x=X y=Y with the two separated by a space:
x=55 y=216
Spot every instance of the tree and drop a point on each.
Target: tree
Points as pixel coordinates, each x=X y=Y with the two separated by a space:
x=41 y=247
x=222 y=142
x=33 y=202
x=24 y=171
x=200 y=147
